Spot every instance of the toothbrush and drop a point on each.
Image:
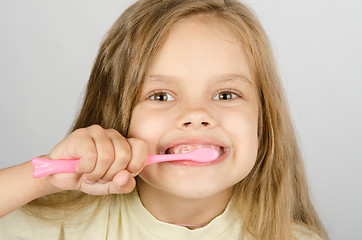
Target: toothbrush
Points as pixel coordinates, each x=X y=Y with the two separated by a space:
x=44 y=167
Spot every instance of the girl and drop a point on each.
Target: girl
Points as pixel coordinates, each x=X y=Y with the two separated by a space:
x=172 y=76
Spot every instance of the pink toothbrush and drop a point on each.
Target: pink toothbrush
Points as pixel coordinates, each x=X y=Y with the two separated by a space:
x=44 y=167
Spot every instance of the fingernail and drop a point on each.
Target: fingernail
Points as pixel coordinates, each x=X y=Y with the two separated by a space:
x=133 y=174
x=88 y=181
x=102 y=181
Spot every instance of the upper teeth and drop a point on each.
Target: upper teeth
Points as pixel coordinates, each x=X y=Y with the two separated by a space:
x=189 y=148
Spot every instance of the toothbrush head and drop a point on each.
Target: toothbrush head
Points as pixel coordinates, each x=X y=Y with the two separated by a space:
x=203 y=155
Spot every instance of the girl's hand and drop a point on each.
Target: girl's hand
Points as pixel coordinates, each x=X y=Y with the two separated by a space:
x=108 y=161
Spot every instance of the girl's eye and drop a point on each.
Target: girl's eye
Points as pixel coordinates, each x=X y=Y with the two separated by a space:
x=161 y=96
x=225 y=95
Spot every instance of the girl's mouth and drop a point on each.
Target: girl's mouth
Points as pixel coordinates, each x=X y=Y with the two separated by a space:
x=185 y=148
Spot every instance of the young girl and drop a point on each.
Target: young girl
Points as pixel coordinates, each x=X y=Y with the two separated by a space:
x=172 y=76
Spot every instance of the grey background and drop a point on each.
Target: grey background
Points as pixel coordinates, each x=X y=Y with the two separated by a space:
x=47 y=49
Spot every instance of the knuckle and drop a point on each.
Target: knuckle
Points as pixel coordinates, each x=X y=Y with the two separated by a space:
x=106 y=158
x=140 y=152
x=113 y=131
x=142 y=143
x=95 y=126
x=124 y=155
x=96 y=129
x=135 y=167
x=137 y=142
x=79 y=131
x=143 y=146
x=139 y=145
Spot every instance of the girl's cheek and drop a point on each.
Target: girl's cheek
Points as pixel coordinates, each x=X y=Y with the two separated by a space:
x=149 y=126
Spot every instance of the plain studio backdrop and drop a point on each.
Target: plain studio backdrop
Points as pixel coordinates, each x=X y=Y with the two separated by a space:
x=47 y=49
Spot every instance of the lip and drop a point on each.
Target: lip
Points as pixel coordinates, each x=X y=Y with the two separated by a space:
x=195 y=141
x=190 y=163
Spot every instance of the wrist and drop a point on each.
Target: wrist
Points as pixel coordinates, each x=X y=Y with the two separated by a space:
x=20 y=187
x=43 y=186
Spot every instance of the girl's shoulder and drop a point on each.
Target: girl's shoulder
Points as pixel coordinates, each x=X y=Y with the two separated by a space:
x=19 y=225
x=84 y=224
x=301 y=232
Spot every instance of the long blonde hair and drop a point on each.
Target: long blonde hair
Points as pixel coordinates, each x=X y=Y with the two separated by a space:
x=274 y=196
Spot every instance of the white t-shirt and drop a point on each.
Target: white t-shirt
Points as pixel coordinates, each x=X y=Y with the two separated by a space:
x=135 y=223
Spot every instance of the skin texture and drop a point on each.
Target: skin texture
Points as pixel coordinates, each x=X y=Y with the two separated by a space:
x=199 y=90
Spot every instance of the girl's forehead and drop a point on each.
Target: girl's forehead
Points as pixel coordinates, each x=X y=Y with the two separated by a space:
x=200 y=46
x=222 y=78
x=214 y=25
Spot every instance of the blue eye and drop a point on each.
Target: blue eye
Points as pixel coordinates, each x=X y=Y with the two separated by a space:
x=161 y=96
x=225 y=95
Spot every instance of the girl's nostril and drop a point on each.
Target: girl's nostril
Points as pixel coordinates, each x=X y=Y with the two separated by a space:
x=205 y=124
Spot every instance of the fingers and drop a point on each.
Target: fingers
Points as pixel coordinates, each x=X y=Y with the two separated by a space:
x=140 y=154
x=122 y=155
x=122 y=182
x=96 y=166
x=112 y=155
x=108 y=161
x=130 y=157
x=97 y=153
x=107 y=152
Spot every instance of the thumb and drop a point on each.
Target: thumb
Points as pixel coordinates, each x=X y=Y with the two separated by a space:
x=122 y=182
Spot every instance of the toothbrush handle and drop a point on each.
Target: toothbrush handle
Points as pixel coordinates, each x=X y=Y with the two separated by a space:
x=166 y=158
x=44 y=167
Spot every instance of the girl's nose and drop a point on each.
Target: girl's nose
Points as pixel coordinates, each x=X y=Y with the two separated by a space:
x=195 y=118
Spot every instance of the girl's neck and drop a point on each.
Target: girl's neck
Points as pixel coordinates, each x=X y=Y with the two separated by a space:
x=190 y=213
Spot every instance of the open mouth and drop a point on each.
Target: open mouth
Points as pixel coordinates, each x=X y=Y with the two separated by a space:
x=186 y=148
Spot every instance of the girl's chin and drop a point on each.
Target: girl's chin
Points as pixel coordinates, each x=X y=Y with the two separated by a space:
x=190 y=186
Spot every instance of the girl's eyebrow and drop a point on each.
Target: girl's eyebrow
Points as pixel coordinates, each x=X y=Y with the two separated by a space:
x=234 y=77
x=161 y=78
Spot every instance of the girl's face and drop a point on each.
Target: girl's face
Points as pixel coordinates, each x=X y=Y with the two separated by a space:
x=199 y=92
